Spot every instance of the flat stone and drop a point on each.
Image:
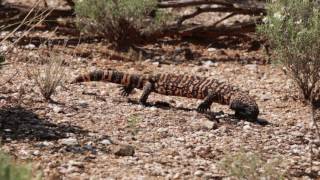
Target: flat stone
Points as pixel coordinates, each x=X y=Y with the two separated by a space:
x=69 y=141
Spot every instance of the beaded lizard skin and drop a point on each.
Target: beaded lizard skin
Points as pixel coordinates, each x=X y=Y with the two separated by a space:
x=210 y=90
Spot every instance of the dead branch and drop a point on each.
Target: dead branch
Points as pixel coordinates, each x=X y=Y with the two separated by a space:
x=214 y=31
x=19 y=12
x=234 y=10
x=229 y=3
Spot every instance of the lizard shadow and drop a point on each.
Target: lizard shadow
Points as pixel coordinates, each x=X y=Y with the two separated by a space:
x=212 y=116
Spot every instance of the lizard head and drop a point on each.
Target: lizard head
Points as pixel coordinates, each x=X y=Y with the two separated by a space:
x=245 y=107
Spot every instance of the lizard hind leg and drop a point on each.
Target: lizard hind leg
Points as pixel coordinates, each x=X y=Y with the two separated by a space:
x=207 y=102
x=147 y=89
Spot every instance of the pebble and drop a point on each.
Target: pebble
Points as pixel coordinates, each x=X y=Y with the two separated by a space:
x=246 y=127
x=208 y=64
x=83 y=104
x=211 y=49
x=69 y=141
x=30 y=46
x=36 y=153
x=57 y=109
x=7 y=130
x=124 y=150
x=153 y=108
x=202 y=69
x=203 y=123
x=266 y=97
x=157 y=64
x=3 y=48
x=198 y=173
x=251 y=67
x=106 y=142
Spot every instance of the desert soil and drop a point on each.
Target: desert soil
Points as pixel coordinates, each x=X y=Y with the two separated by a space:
x=78 y=136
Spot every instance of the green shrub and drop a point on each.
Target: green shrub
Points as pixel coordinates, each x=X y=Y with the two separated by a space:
x=122 y=22
x=250 y=166
x=13 y=171
x=293 y=29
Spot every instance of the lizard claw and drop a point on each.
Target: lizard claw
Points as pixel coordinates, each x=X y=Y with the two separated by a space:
x=143 y=103
x=203 y=107
x=125 y=91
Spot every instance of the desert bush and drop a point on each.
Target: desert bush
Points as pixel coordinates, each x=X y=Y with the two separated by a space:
x=250 y=166
x=49 y=77
x=293 y=29
x=122 y=22
x=10 y=170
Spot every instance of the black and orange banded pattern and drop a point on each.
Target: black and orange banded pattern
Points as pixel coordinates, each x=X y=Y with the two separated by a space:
x=210 y=90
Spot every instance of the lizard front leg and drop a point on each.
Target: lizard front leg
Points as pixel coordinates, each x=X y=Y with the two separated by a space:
x=207 y=102
x=147 y=89
x=126 y=90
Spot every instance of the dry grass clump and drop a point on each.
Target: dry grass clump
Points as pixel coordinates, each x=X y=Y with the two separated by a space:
x=251 y=166
x=49 y=77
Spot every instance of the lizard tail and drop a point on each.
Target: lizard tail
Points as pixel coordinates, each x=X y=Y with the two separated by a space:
x=105 y=76
x=99 y=75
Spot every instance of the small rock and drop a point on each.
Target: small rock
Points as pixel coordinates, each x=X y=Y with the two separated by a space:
x=30 y=46
x=198 y=173
x=202 y=69
x=7 y=130
x=57 y=109
x=251 y=67
x=153 y=108
x=36 y=153
x=181 y=139
x=45 y=144
x=69 y=141
x=162 y=130
x=157 y=64
x=76 y=164
x=124 y=150
x=176 y=176
x=3 y=48
x=211 y=49
x=106 y=142
x=208 y=64
x=246 y=127
x=204 y=124
x=83 y=104
x=266 y=97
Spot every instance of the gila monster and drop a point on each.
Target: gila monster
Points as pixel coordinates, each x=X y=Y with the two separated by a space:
x=210 y=90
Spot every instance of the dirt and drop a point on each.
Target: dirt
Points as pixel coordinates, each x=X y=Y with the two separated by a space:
x=91 y=132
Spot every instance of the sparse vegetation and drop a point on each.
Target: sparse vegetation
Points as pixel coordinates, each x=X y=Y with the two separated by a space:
x=9 y=170
x=133 y=121
x=122 y=22
x=293 y=27
x=92 y=132
x=251 y=166
x=49 y=77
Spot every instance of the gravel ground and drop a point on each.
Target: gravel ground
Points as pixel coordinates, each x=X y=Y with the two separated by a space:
x=92 y=132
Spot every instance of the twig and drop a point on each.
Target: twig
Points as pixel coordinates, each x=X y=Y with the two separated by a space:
x=222 y=19
x=206 y=9
x=17 y=72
